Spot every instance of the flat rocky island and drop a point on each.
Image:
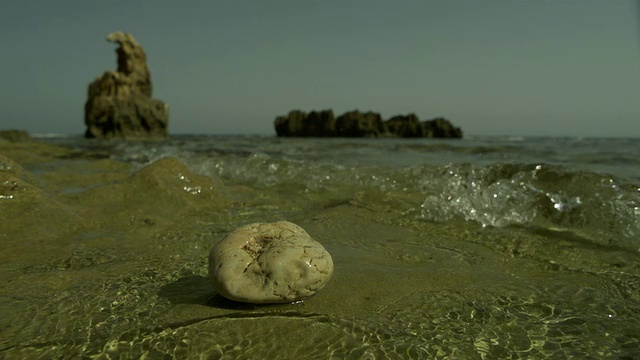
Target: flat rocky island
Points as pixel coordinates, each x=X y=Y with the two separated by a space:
x=360 y=124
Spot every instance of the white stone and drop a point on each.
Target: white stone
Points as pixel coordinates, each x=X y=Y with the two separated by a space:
x=269 y=263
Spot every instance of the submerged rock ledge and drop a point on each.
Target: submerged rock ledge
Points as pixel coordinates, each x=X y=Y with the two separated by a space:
x=358 y=124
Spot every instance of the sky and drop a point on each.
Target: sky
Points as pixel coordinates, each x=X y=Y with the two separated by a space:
x=516 y=67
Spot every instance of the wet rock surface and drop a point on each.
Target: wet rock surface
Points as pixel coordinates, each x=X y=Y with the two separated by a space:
x=117 y=268
x=269 y=263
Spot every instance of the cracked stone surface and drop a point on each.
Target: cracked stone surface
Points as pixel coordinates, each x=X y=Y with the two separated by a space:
x=269 y=263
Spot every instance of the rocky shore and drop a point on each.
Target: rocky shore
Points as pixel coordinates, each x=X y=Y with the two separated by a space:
x=362 y=124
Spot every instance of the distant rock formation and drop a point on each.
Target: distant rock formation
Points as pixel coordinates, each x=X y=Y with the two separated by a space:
x=119 y=104
x=406 y=126
x=316 y=123
x=358 y=124
x=441 y=128
x=14 y=135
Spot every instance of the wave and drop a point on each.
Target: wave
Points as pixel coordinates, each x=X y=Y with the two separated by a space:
x=598 y=206
x=547 y=196
x=498 y=192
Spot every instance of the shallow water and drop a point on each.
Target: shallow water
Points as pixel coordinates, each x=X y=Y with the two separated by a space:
x=475 y=249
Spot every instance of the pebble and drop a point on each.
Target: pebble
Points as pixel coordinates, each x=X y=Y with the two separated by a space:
x=269 y=263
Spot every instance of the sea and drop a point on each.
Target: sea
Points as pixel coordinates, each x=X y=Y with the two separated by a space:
x=487 y=247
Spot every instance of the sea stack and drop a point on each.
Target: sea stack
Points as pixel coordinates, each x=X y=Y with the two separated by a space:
x=269 y=263
x=120 y=103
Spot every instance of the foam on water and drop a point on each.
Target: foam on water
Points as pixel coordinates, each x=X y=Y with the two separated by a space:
x=481 y=181
x=548 y=196
x=596 y=206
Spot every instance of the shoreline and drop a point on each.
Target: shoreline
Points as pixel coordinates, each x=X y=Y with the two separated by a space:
x=102 y=257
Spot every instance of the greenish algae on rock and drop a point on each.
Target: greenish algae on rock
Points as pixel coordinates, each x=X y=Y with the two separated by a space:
x=117 y=267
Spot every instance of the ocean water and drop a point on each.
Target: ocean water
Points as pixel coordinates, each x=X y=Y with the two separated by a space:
x=481 y=248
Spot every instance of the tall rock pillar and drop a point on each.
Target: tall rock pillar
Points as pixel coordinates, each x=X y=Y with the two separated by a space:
x=119 y=103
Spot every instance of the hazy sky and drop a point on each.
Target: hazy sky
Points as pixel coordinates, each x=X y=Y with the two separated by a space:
x=536 y=67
